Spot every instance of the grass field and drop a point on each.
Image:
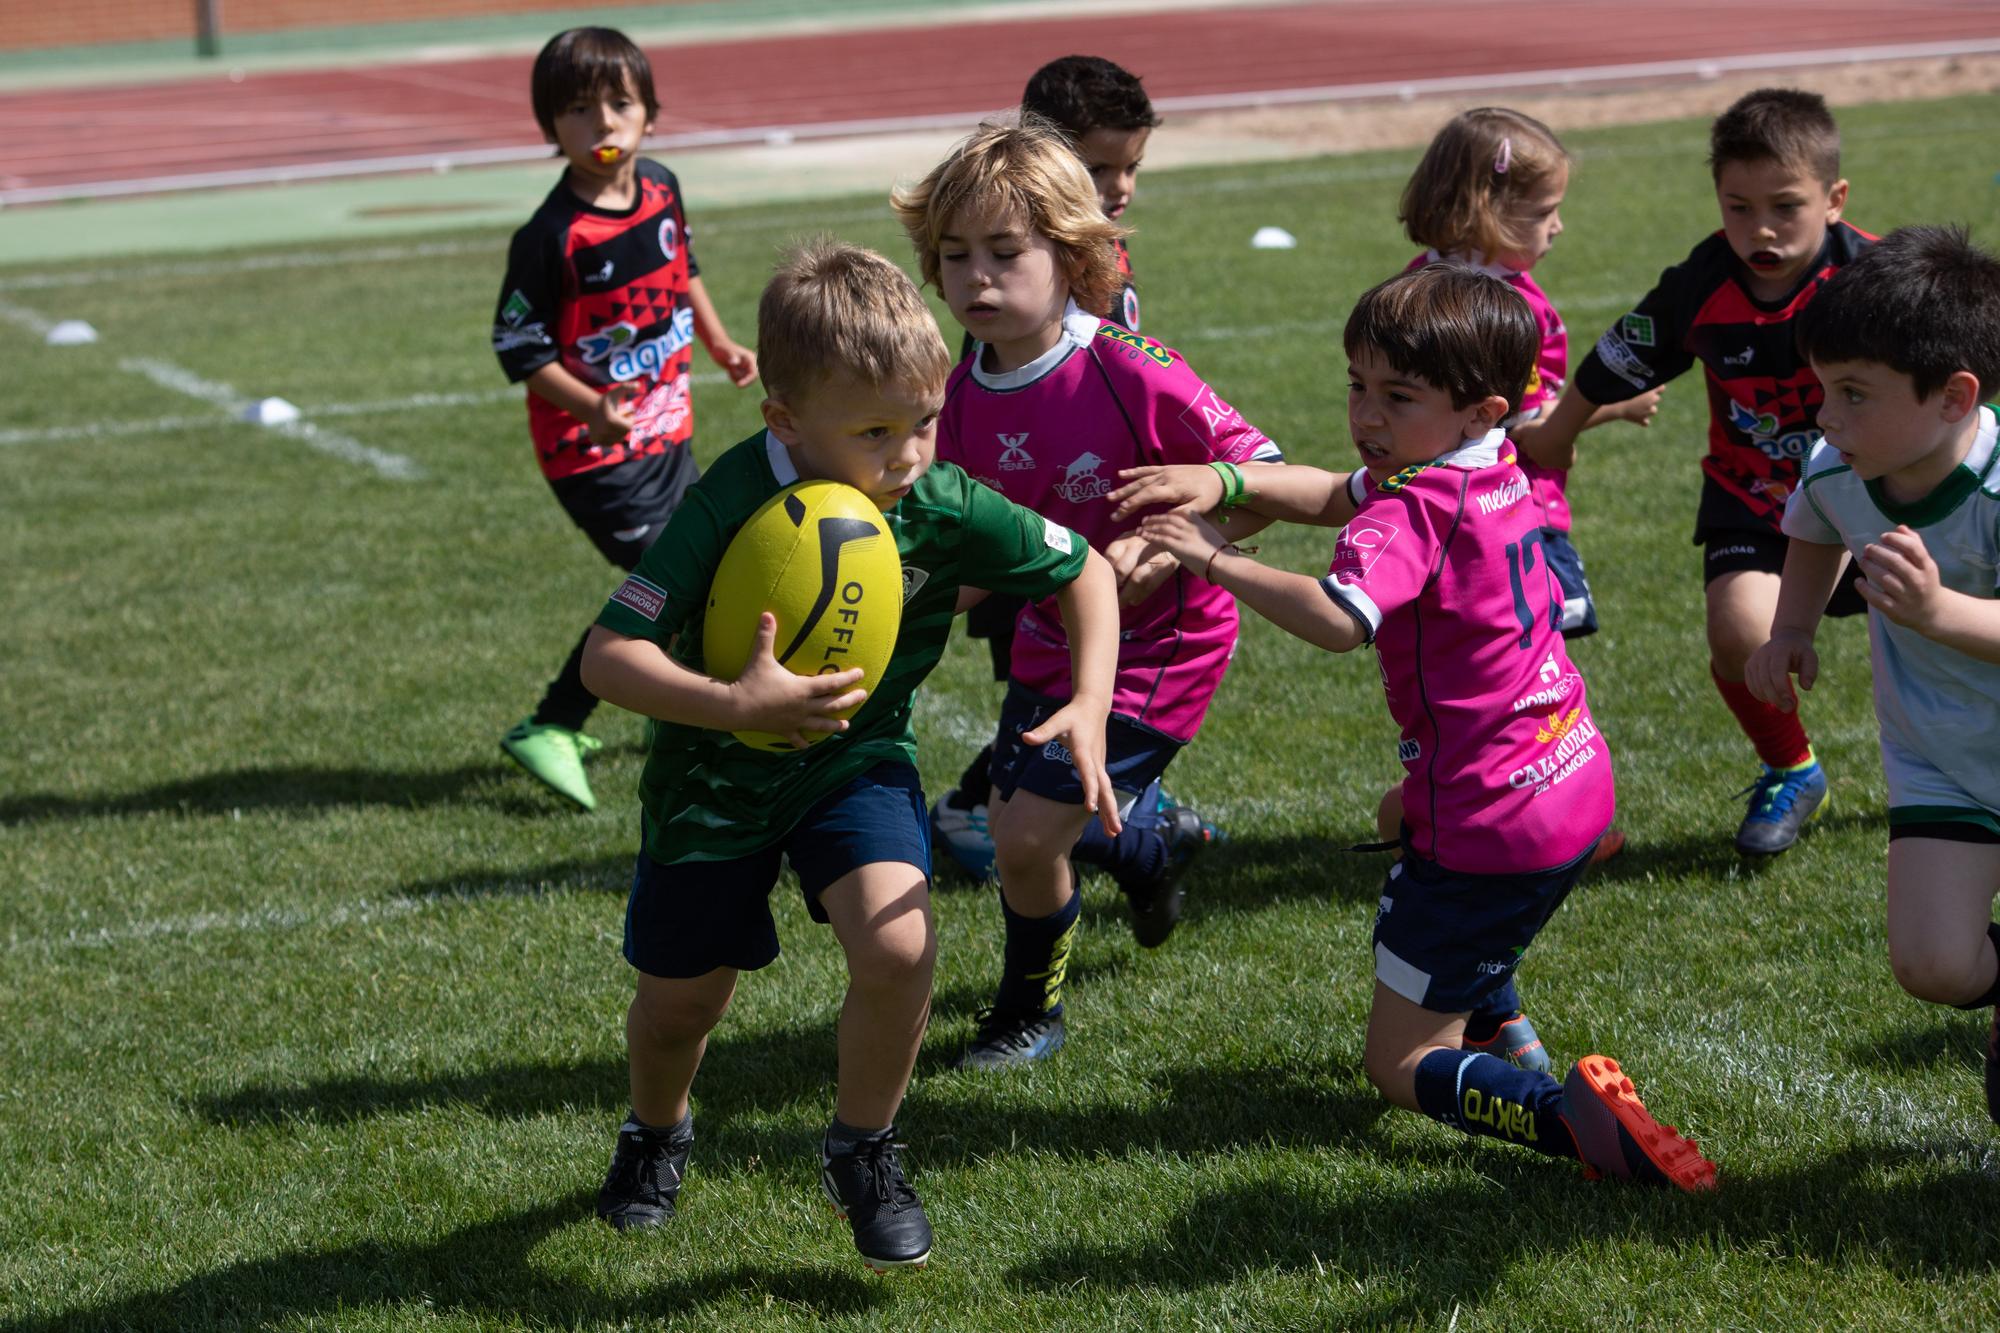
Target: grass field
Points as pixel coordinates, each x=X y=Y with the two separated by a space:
x=312 y=1012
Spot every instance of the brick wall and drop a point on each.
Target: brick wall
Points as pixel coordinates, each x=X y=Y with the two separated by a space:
x=29 y=24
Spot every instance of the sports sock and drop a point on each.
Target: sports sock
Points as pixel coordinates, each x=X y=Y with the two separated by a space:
x=1992 y=995
x=1778 y=737
x=567 y=703
x=1037 y=958
x=842 y=1138
x=685 y=1125
x=1484 y=1095
x=1490 y=1014
x=1139 y=853
x=975 y=784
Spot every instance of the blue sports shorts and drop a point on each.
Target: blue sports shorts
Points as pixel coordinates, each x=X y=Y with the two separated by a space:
x=1446 y=940
x=1135 y=754
x=691 y=917
x=1579 y=616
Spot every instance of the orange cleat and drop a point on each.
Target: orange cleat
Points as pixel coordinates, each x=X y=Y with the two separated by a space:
x=1608 y=846
x=1617 y=1136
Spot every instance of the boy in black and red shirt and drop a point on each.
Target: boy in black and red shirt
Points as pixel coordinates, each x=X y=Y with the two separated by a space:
x=598 y=316
x=1729 y=305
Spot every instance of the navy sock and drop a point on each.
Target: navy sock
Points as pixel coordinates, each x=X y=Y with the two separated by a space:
x=1139 y=853
x=1037 y=958
x=1486 y=1018
x=1484 y=1095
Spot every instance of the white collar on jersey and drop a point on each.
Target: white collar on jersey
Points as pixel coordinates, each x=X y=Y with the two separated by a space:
x=780 y=459
x=1475 y=454
x=1475 y=261
x=1078 y=328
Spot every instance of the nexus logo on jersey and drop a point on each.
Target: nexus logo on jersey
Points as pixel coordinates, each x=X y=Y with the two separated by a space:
x=1014 y=455
x=1362 y=541
x=1145 y=347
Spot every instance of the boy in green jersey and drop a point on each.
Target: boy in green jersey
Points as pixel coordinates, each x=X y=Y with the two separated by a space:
x=1905 y=480
x=855 y=371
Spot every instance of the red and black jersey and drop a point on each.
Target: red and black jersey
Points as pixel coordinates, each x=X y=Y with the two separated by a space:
x=1763 y=398
x=605 y=292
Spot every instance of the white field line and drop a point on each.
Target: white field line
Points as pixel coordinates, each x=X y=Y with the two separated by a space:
x=416 y=402
x=34 y=322
x=183 y=381
x=1404 y=89
x=263 y=920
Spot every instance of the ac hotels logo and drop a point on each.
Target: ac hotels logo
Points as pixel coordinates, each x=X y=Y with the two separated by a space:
x=1014 y=456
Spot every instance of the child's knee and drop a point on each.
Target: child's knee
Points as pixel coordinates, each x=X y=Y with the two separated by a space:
x=899 y=956
x=1730 y=645
x=674 y=1014
x=1934 y=971
x=1029 y=837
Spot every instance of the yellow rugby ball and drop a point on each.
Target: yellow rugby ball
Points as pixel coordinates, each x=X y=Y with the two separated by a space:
x=819 y=557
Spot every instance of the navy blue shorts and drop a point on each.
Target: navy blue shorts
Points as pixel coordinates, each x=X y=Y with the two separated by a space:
x=1579 y=612
x=1445 y=940
x=1135 y=754
x=689 y=918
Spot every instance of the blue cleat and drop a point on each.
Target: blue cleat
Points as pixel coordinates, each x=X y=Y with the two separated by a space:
x=1008 y=1041
x=1516 y=1042
x=1782 y=800
x=961 y=831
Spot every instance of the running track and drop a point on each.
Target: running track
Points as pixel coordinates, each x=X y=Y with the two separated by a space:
x=115 y=138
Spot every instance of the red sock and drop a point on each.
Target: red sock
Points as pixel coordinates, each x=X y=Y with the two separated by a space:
x=1779 y=737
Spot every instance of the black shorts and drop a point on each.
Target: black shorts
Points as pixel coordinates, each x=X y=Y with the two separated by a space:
x=1734 y=539
x=625 y=507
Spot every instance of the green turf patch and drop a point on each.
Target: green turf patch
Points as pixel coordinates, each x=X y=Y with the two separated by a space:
x=313 y=1005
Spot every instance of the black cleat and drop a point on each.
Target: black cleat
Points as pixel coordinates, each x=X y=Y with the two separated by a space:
x=645 y=1175
x=1156 y=903
x=868 y=1190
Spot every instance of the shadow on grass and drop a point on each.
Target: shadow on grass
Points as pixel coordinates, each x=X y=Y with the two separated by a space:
x=1712 y=855
x=486 y=1272
x=606 y=874
x=1432 y=1249
x=298 y=788
x=1944 y=1038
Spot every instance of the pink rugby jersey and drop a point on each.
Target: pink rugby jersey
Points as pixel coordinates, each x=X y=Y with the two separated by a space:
x=1052 y=436
x=1442 y=565
x=1545 y=385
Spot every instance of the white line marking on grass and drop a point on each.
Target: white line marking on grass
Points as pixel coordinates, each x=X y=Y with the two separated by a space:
x=332 y=443
x=97 y=430
x=258 y=921
x=21 y=317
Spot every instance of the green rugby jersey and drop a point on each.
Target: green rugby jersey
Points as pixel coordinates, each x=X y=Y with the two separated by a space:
x=1931 y=700
x=705 y=796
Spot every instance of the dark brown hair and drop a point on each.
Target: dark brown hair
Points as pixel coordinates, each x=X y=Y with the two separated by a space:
x=584 y=62
x=1923 y=301
x=1452 y=327
x=1784 y=125
x=1079 y=94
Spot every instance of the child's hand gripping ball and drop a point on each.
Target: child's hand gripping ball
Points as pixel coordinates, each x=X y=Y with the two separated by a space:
x=820 y=558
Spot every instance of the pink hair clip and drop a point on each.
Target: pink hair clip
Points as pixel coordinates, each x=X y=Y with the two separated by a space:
x=1504 y=158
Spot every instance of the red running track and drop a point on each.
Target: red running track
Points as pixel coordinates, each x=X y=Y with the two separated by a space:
x=72 y=137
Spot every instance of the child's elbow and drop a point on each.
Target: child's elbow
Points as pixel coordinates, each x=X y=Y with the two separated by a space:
x=592 y=666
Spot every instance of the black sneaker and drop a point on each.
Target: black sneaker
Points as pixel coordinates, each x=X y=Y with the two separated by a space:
x=1008 y=1040
x=645 y=1175
x=1156 y=903
x=1993 y=1069
x=868 y=1190
x=1781 y=801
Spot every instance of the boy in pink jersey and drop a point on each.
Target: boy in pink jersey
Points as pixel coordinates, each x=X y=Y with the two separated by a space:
x=1052 y=403
x=1440 y=566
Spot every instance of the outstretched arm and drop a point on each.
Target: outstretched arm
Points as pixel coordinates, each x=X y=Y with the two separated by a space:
x=1811 y=571
x=1293 y=602
x=1089 y=607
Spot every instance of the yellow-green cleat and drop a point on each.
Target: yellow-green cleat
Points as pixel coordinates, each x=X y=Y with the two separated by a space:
x=555 y=755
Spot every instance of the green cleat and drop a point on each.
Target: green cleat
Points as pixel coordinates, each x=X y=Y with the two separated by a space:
x=555 y=755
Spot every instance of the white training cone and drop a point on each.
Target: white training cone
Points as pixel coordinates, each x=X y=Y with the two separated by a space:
x=1273 y=238
x=70 y=333
x=270 y=412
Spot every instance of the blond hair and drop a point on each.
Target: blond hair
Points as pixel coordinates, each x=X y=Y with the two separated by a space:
x=834 y=308
x=1480 y=163
x=1027 y=170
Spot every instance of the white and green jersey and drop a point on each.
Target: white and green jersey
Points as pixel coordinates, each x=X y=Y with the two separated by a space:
x=1937 y=706
x=706 y=796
